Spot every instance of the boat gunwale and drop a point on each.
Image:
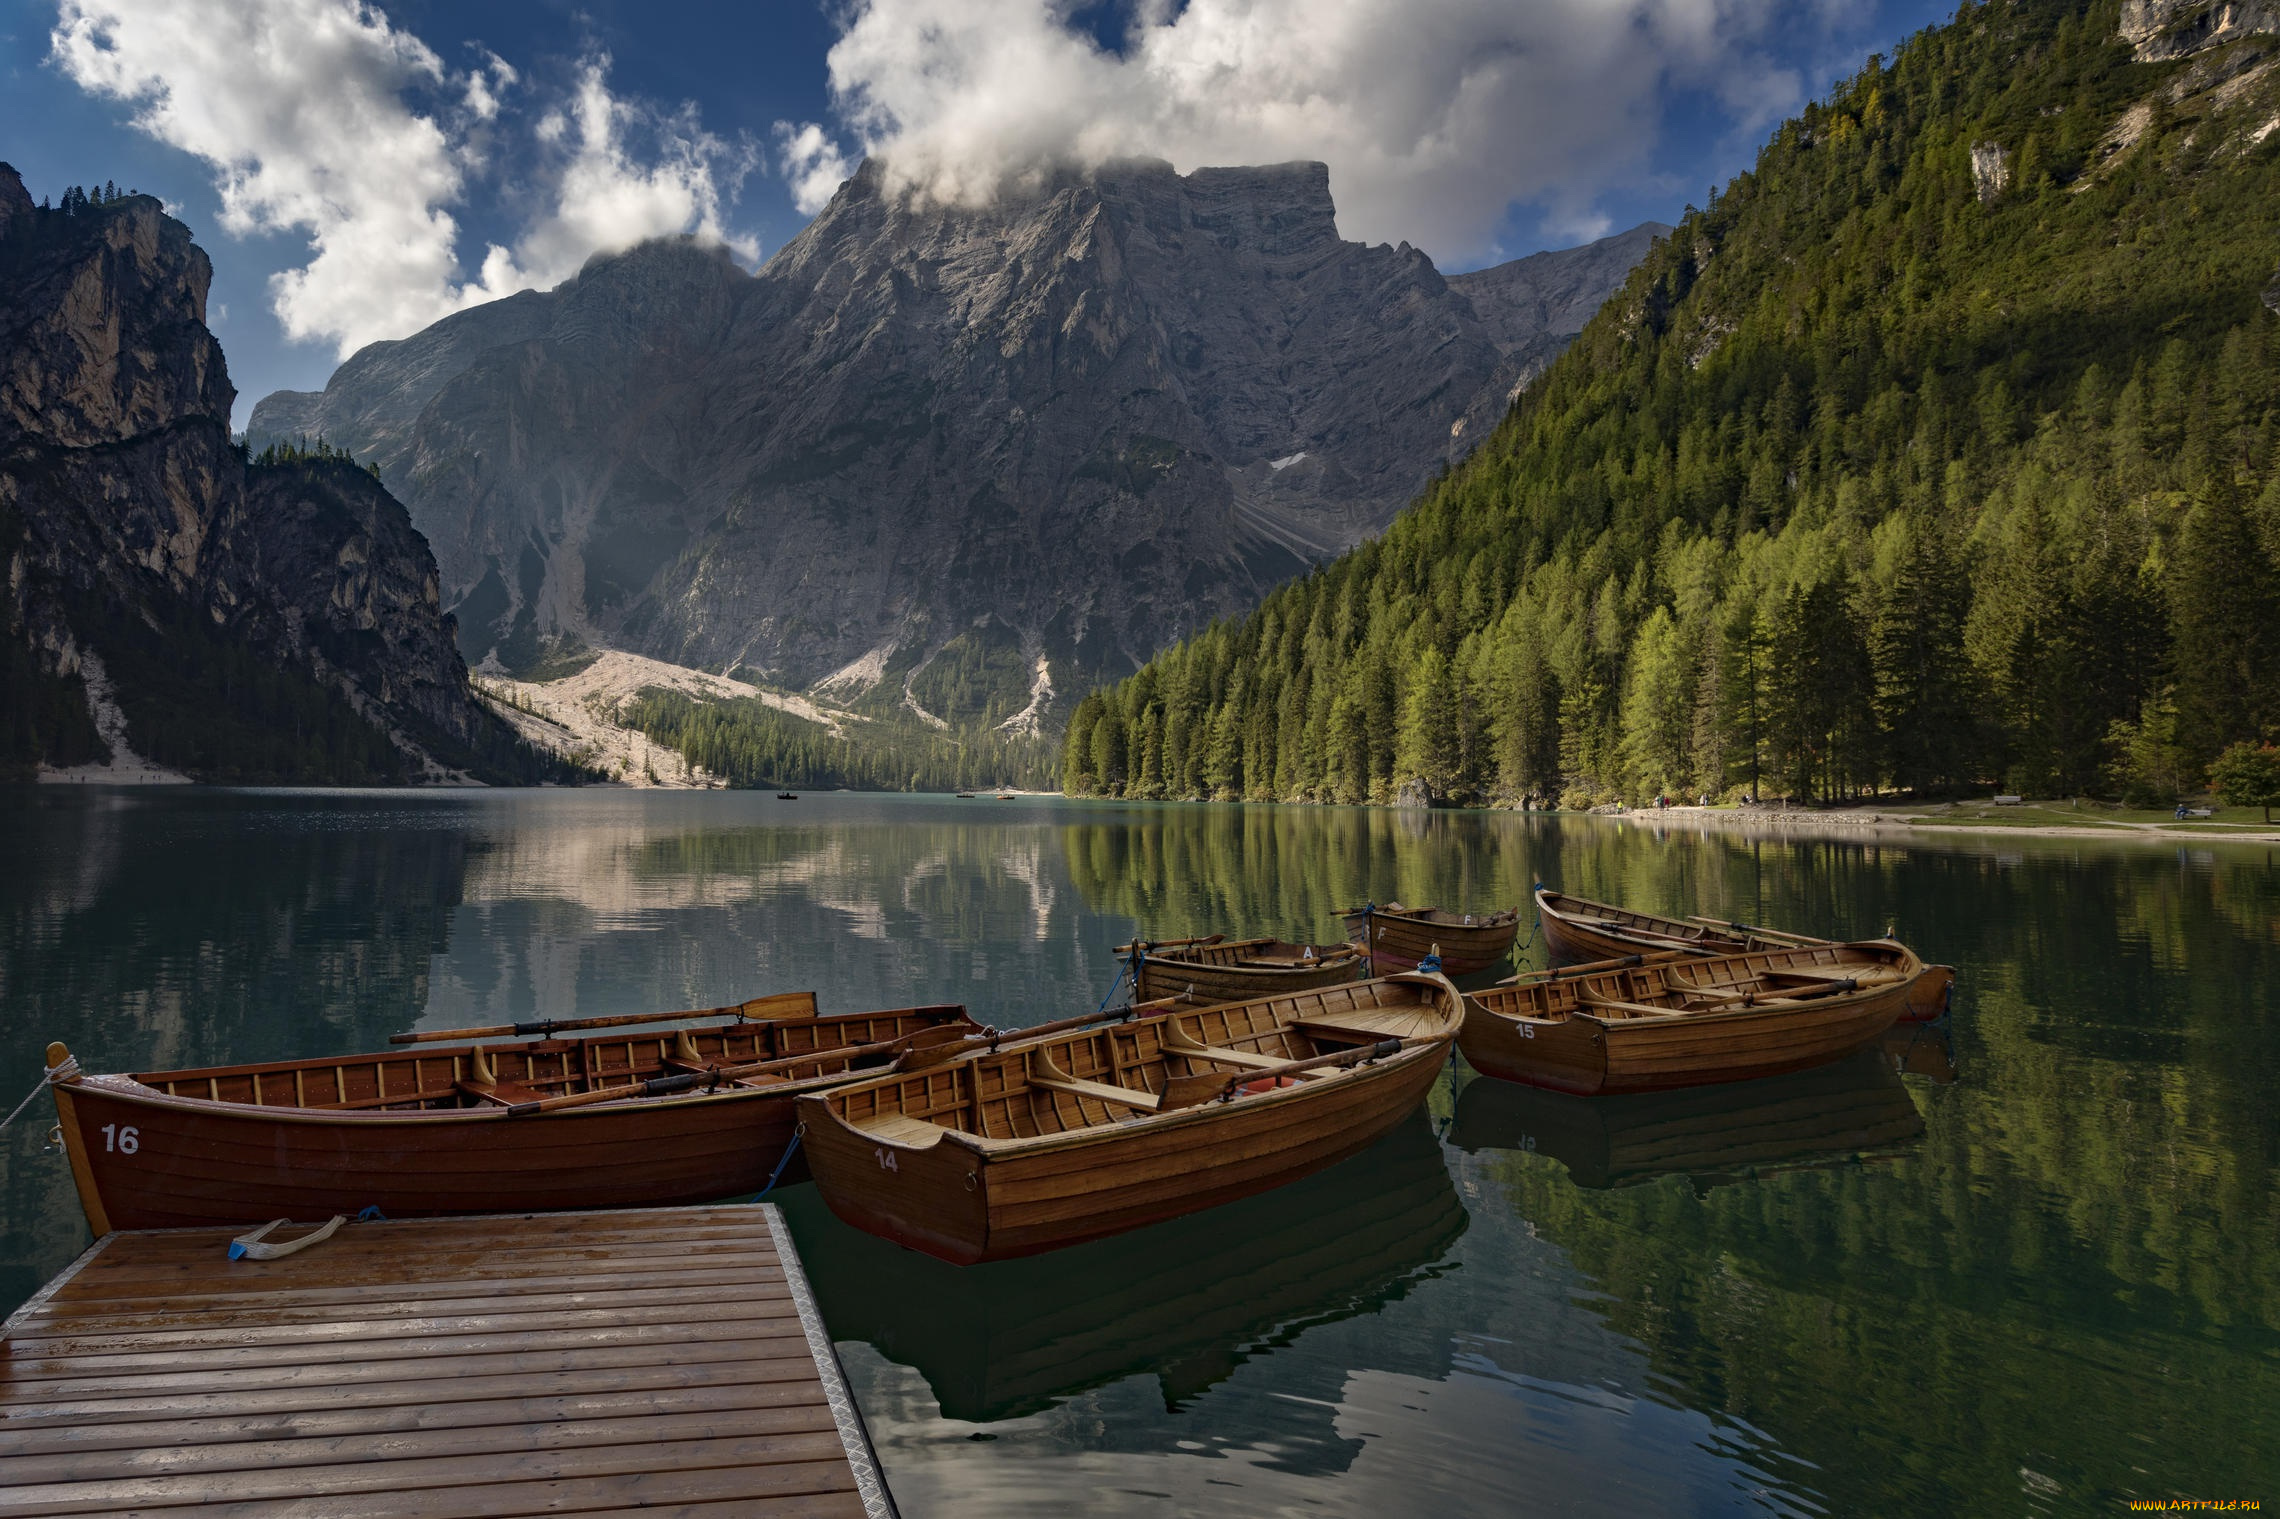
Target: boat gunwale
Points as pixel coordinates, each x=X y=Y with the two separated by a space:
x=134 y=1088
x=727 y=1091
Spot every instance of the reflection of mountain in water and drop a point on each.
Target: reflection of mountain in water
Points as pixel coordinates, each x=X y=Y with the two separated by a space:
x=869 y=901
x=1187 y=1301
x=1854 y=1109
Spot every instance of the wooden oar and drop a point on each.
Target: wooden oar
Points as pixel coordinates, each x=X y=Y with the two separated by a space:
x=758 y=1010
x=995 y=1039
x=1125 y=949
x=1594 y=967
x=664 y=1086
x=1188 y=1091
x=1763 y=933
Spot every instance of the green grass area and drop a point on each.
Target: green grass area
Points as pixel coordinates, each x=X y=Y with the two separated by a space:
x=2083 y=813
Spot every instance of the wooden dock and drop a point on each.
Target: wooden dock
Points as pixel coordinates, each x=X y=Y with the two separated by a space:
x=668 y=1360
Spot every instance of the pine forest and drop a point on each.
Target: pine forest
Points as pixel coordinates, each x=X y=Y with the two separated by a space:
x=1937 y=451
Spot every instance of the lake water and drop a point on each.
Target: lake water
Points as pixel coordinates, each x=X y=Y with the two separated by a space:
x=2037 y=1272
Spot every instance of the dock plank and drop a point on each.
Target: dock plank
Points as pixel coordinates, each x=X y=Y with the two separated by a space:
x=665 y=1361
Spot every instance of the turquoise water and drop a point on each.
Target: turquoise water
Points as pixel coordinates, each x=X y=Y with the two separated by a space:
x=2033 y=1268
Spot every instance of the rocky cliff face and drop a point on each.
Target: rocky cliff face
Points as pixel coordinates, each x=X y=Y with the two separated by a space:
x=2164 y=29
x=1071 y=427
x=1534 y=307
x=139 y=537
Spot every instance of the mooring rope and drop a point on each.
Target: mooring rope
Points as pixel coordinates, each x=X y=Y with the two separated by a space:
x=782 y=1161
x=48 y=1078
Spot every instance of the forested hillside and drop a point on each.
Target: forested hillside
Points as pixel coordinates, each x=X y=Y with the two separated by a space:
x=1939 y=449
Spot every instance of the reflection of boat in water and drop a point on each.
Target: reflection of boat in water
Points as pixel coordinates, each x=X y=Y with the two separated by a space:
x=1186 y=1300
x=1923 y=1049
x=1855 y=1108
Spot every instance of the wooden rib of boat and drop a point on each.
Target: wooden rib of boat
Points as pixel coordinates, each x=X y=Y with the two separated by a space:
x=1238 y=970
x=1401 y=937
x=1650 y=1023
x=1852 y=1109
x=1577 y=930
x=629 y=1118
x=1080 y=1136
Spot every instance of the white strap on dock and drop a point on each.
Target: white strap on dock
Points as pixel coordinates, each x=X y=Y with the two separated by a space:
x=251 y=1247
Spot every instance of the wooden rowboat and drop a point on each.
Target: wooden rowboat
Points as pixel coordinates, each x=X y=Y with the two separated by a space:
x=1857 y=1108
x=1239 y=970
x=1650 y=1023
x=631 y=1118
x=1395 y=936
x=1577 y=931
x=1080 y=1136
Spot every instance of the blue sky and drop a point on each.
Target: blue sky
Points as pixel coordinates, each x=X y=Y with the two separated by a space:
x=356 y=170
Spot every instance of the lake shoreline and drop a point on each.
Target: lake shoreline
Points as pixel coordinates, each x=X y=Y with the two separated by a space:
x=1851 y=822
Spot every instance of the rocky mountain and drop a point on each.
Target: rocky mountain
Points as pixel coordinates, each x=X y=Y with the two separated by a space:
x=1044 y=436
x=165 y=597
x=1534 y=307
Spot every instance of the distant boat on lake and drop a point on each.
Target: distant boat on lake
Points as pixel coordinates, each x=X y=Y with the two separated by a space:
x=1401 y=937
x=1222 y=970
x=1646 y=1024
x=1578 y=931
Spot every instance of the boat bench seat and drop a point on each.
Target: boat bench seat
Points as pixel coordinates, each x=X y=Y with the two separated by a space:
x=902 y=1129
x=1368 y=1025
x=1098 y=1091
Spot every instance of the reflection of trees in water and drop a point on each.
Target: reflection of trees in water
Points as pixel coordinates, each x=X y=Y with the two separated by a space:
x=1184 y=869
x=2074 y=1269
x=162 y=929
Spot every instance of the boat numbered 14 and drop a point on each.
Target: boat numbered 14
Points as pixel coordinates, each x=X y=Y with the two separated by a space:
x=1075 y=1137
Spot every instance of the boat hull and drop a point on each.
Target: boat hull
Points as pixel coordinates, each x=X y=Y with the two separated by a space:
x=1576 y=1051
x=1568 y=941
x=1194 y=982
x=201 y=1163
x=1398 y=942
x=965 y=1207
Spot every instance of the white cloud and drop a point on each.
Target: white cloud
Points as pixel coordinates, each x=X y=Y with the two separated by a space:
x=1434 y=115
x=319 y=117
x=605 y=199
x=811 y=163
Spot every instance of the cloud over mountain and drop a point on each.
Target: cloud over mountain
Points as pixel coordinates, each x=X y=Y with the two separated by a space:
x=1434 y=115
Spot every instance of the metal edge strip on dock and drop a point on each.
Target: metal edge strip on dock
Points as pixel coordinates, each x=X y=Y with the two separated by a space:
x=862 y=1458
